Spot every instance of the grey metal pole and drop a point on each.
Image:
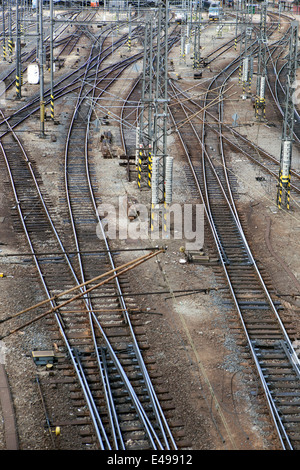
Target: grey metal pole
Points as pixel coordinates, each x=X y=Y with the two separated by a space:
x=10 y=40
x=3 y=30
x=283 y=191
x=150 y=109
x=18 y=52
x=161 y=107
x=41 y=67
x=51 y=61
x=197 y=33
x=37 y=30
x=129 y=28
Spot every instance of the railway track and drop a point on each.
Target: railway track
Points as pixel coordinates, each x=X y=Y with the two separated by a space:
x=112 y=321
x=101 y=334
x=67 y=84
x=268 y=339
x=240 y=143
x=8 y=76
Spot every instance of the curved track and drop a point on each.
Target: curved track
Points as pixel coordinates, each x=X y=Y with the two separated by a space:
x=267 y=337
x=98 y=335
x=101 y=333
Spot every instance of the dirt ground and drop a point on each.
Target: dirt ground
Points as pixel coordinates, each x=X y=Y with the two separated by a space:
x=194 y=337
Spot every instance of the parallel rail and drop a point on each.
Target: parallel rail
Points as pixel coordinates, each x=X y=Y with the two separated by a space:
x=267 y=337
x=127 y=413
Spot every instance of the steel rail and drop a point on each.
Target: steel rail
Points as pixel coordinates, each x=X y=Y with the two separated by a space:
x=91 y=406
x=22 y=218
x=116 y=430
x=155 y=403
x=28 y=55
x=220 y=251
x=235 y=133
x=242 y=138
x=140 y=411
x=58 y=319
x=276 y=418
x=107 y=393
x=60 y=92
x=154 y=400
x=203 y=150
x=95 y=419
x=238 y=136
x=286 y=337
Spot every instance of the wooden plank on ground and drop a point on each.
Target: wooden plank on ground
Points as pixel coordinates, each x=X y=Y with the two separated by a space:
x=11 y=437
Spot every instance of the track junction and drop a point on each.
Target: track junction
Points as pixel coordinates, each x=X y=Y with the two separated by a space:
x=84 y=296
